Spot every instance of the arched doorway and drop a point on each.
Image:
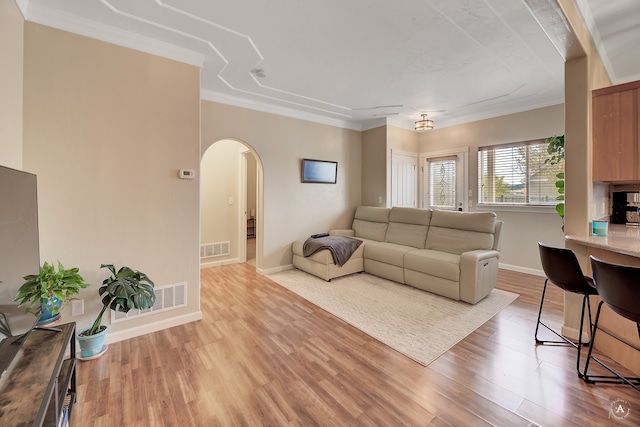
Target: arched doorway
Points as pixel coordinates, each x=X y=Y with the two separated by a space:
x=230 y=204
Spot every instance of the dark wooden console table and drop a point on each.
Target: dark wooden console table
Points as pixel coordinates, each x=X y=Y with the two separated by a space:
x=36 y=387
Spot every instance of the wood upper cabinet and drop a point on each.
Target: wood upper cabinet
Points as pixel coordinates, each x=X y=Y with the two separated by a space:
x=616 y=120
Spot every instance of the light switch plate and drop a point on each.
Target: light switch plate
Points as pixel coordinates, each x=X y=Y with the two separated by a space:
x=187 y=174
x=77 y=307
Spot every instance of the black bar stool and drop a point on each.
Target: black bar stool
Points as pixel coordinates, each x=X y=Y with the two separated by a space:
x=619 y=288
x=561 y=267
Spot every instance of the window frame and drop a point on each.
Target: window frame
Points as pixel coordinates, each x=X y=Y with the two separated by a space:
x=514 y=206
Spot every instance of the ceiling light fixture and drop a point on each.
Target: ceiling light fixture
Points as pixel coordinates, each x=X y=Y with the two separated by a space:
x=424 y=124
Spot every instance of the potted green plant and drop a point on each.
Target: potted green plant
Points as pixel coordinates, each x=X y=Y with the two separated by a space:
x=123 y=290
x=555 y=149
x=49 y=291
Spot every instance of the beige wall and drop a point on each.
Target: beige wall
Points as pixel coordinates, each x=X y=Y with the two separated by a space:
x=377 y=145
x=252 y=184
x=106 y=130
x=220 y=180
x=11 y=41
x=522 y=228
x=104 y=124
x=220 y=221
x=582 y=75
x=291 y=210
x=374 y=167
x=402 y=139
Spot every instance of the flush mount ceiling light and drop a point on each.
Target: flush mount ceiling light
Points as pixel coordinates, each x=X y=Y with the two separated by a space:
x=424 y=124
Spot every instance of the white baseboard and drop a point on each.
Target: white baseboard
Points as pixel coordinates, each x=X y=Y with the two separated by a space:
x=267 y=271
x=572 y=333
x=152 y=327
x=519 y=269
x=219 y=263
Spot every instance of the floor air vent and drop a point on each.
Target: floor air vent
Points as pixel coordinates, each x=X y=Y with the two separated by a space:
x=167 y=298
x=208 y=250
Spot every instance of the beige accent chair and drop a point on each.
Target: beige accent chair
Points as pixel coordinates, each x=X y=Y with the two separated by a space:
x=453 y=254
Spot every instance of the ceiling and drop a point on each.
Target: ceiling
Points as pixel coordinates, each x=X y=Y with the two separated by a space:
x=362 y=63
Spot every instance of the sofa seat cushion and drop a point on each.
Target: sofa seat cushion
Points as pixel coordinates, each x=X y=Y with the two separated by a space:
x=434 y=263
x=387 y=253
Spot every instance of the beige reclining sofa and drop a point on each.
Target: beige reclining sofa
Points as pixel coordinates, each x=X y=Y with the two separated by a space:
x=453 y=254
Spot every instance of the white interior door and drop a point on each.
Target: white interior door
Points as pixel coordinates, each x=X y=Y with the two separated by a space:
x=404 y=179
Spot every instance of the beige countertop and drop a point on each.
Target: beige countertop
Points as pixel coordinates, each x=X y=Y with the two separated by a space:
x=620 y=243
x=620 y=238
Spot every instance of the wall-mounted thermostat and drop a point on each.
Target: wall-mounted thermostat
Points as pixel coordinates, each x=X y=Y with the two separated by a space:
x=187 y=174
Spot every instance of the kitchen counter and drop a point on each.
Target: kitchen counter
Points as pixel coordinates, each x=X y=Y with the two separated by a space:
x=621 y=239
x=620 y=246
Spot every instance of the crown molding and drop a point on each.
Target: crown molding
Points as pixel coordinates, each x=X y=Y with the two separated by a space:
x=209 y=95
x=66 y=22
x=22 y=6
x=375 y=123
x=401 y=123
x=552 y=20
x=587 y=17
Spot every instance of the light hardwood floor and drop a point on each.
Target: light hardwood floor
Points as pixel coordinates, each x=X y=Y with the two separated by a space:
x=264 y=356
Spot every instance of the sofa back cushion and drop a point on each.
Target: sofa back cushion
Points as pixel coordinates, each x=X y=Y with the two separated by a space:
x=408 y=226
x=371 y=222
x=458 y=232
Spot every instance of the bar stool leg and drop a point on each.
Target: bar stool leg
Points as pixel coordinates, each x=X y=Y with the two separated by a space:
x=617 y=378
x=585 y=303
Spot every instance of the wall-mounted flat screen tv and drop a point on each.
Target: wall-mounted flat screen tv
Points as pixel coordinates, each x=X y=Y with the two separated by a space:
x=19 y=256
x=319 y=171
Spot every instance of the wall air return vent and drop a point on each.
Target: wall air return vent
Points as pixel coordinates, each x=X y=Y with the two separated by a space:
x=167 y=298
x=208 y=250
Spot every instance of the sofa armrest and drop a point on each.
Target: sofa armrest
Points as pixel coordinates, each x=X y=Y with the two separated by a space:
x=478 y=274
x=347 y=232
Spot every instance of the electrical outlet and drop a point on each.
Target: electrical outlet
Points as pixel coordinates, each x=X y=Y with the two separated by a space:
x=77 y=307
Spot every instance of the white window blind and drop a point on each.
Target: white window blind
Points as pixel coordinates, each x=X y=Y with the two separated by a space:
x=517 y=174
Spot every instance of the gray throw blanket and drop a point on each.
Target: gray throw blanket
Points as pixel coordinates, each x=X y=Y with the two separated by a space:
x=341 y=248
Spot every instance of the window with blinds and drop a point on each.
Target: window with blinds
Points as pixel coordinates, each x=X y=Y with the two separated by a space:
x=517 y=174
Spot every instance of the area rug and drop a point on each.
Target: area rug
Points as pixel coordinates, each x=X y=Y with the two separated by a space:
x=418 y=324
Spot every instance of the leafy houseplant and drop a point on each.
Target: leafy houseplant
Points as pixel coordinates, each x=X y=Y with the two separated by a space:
x=51 y=288
x=555 y=149
x=123 y=290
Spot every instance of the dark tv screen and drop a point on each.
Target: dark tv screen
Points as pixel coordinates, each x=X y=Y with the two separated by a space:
x=19 y=256
x=319 y=171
